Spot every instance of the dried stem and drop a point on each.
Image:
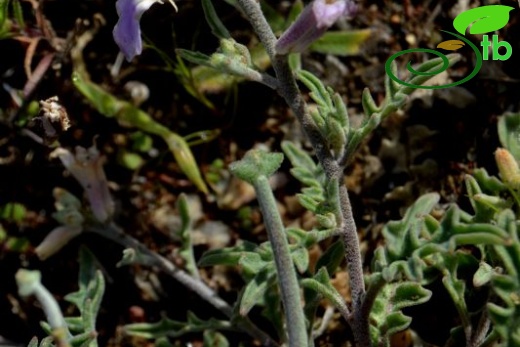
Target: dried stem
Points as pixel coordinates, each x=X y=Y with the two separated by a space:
x=114 y=233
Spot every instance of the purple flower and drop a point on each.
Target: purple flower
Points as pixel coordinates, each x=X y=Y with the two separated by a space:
x=127 y=32
x=86 y=165
x=312 y=23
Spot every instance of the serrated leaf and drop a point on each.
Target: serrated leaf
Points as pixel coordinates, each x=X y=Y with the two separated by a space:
x=255 y=290
x=319 y=93
x=172 y=328
x=321 y=285
x=307 y=202
x=386 y=317
x=483 y=19
x=298 y=157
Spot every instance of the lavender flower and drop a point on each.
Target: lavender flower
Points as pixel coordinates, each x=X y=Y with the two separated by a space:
x=87 y=167
x=312 y=23
x=127 y=31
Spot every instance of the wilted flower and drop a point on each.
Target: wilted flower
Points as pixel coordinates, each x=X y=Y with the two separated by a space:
x=127 y=32
x=56 y=239
x=87 y=167
x=68 y=214
x=312 y=23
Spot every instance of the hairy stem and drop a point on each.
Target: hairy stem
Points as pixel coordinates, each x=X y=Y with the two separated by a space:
x=359 y=322
x=289 y=288
x=114 y=233
x=288 y=89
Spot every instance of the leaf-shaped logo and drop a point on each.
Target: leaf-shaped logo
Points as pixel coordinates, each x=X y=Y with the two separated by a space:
x=483 y=19
x=451 y=45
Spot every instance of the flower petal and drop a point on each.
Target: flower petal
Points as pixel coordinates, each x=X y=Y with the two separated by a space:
x=312 y=23
x=127 y=31
x=56 y=239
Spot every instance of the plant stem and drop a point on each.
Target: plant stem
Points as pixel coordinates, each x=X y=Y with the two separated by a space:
x=359 y=322
x=290 y=92
x=289 y=288
x=29 y=283
x=114 y=233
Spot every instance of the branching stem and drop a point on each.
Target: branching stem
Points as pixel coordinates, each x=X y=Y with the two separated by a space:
x=114 y=233
x=288 y=89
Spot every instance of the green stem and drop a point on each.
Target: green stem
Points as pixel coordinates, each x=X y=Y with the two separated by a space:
x=29 y=283
x=289 y=287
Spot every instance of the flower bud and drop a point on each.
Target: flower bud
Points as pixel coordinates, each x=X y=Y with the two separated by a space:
x=312 y=23
x=508 y=168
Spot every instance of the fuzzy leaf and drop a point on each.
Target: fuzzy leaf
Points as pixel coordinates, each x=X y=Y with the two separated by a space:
x=319 y=93
x=256 y=164
x=509 y=133
x=255 y=290
x=386 y=317
x=321 y=285
x=172 y=328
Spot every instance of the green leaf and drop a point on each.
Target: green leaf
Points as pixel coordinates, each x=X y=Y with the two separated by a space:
x=13 y=212
x=256 y=164
x=321 y=285
x=483 y=275
x=186 y=249
x=509 y=133
x=298 y=157
x=130 y=160
x=172 y=328
x=332 y=257
x=217 y=27
x=255 y=290
x=18 y=14
x=194 y=57
x=483 y=19
x=213 y=338
x=341 y=43
x=386 y=317
x=4 y=7
x=246 y=256
x=319 y=93
x=141 y=142
x=300 y=258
